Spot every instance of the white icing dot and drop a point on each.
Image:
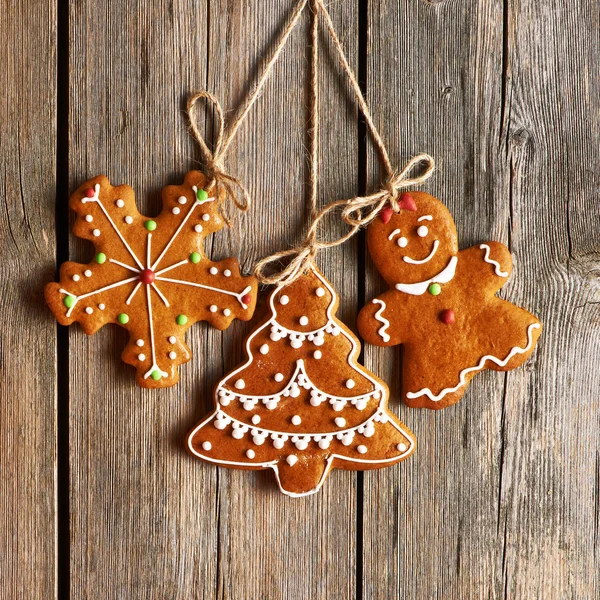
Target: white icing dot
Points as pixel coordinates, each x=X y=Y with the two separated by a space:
x=284 y=300
x=264 y=349
x=340 y=421
x=362 y=449
x=323 y=444
x=206 y=445
x=176 y=210
x=120 y=203
x=250 y=453
x=422 y=231
x=255 y=419
x=238 y=434
x=402 y=242
x=206 y=217
x=140 y=343
x=213 y=270
x=278 y=444
x=128 y=220
x=172 y=355
x=141 y=357
x=319 y=341
x=76 y=277
x=89 y=310
x=296 y=420
x=317 y=354
x=271 y=405
x=227 y=273
x=87 y=273
x=182 y=199
x=350 y=384
x=226 y=312
x=303 y=320
x=240 y=384
x=172 y=339
x=198 y=228
x=278 y=377
x=89 y=218
x=320 y=292
x=96 y=232
x=101 y=306
x=214 y=308
x=401 y=447
x=296 y=344
x=291 y=460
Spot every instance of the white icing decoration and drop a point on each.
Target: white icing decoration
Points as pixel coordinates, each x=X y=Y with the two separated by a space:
x=462 y=377
x=172 y=339
x=296 y=344
x=291 y=460
x=419 y=288
x=320 y=292
x=340 y=421
x=284 y=300
x=120 y=203
x=176 y=210
x=278 y=377
x=213 y=270
x=422 y=231
x=296 y=420
x=240 y=384
x=116 y=262
x=89 y=310
x=227 y=273
x=250 y=453
x=497 y=268
x=206 y=217
x=303 y=321
x=412 y=261
x=89 y=218
x=76 y=277
x=206 y=446
x=129 y=219
x=198 y=228
x=141 y=357
x=214 y=308
x=402 y=242
x=350 y=384
x=425 y=218
x=226 y=312
x=317 y=354
x=385 y=323
x=278 y=444
x=172 y=355
x=401 y=447
x=264 y=349
x=182 y=199
x=362 y=449
x=140 y=343
x=96 y=232
x=395 y=232
x=101 y=306
x=255 y=419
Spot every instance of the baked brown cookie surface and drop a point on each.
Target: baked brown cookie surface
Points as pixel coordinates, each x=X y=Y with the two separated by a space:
x=150 y=275
x=442 y=303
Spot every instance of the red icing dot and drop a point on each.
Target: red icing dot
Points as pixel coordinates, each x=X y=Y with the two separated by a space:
x=246 y=299
x=447 y=316
x=89 y=193
x=385 y=214
x=407 y=202
x=147 y=276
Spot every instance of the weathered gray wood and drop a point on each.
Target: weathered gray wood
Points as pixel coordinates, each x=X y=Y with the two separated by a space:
x=27 y=333
x=501 y=500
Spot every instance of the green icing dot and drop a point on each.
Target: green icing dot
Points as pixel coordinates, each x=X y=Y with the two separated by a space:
x=150 y=225
x=195 y=257
x=100 y=258
x=181 y=319
x=434 y=289
x=69 y=301
x=123 y=318
x=156 y=374
x=202 y=195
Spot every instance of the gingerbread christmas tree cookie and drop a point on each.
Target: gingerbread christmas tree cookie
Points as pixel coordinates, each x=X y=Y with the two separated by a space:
x=150 y=275
x=300 y=404
x=442 y=303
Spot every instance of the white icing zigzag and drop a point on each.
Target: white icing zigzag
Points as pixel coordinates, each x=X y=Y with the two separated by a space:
x=379 y=317
x=496 y=264
x=462 y=378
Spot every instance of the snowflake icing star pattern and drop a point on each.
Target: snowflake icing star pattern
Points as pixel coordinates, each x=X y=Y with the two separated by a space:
x=150 y=276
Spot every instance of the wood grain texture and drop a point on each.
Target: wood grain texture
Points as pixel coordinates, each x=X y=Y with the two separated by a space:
x=27 y=335
x=501 y=500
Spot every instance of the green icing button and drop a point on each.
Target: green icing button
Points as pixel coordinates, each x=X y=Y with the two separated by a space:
x=202 y=195
x=434 y=289
x=195 y=257
x=181 y=319
x=69 y=301
x=100 y=258
x=123 y=318
x=150 y=225
x=156 y=374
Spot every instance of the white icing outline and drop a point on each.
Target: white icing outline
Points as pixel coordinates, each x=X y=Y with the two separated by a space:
x=152 y=347
x=238 y=296
x=419 y=288
x=501 y=363
x=412 y=261
x=379 y=317
x=487 y=259
x=353 y=364
x=396 y=231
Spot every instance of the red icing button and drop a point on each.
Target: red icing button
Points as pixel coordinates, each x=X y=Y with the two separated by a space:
x=147 y=276
x=407 y=202
x=385 y=214
x=246 y=299
x=89 y=193
x=447 y=316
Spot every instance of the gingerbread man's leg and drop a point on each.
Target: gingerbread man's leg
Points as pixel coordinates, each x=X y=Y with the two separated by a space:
x=300 y=475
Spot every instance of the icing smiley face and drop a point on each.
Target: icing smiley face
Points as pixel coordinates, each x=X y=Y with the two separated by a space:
x=420 y=243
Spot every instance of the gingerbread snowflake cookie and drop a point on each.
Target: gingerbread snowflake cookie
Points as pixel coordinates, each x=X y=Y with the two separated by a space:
x=300 y=404
x=442 y=303
x=150 y=275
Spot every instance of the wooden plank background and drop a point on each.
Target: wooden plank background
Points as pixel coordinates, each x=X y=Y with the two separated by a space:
x=501 y=500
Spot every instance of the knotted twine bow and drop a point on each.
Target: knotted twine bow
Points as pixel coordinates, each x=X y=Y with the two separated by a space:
x=358 y=211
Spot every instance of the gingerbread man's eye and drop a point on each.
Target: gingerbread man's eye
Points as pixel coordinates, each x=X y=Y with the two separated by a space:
x=422 y=231
x=402 y=242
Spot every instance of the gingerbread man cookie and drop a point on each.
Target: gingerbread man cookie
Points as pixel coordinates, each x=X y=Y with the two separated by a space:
x=151 y=276
x=442 y=303
x=300 y=404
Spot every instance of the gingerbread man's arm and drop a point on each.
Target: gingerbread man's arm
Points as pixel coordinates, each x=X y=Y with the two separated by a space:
x=488 y=264
x=382 y=322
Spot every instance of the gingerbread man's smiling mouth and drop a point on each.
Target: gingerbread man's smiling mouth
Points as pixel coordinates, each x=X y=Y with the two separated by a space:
x=412 y=261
